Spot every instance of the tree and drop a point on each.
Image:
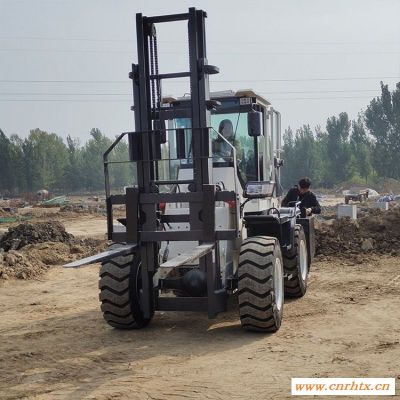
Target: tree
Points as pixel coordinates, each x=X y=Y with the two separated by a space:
x=338 y=149
x=382 y=119
x=123 y=173
x=73 y=174
x=288 y=170
x=92 y=160
x=360 y=149
x=6 y=175
x=45 y=157
x=17 y=165
x=302 y=157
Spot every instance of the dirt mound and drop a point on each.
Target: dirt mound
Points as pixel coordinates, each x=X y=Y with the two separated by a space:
x=377 y=233
x=15 y=264
x=41 y=232
x=35 y=259
x=28 y=250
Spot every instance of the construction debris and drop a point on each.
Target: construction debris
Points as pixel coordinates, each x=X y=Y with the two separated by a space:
x=83 y=208
x=55 y=202
x=35 y=259
x=41 y=232
x=28 y=250
x=377 y=233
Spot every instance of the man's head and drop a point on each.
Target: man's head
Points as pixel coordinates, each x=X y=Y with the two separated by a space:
x=226 y=129
x=304 y=185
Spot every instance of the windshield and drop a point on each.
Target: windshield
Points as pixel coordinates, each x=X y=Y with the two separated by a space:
x=233 y=127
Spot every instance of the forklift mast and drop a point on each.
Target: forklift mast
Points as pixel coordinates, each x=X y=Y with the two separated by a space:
x=143 y=217
x=147 y=89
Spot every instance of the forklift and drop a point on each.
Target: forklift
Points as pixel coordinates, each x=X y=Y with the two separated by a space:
x=201 y=220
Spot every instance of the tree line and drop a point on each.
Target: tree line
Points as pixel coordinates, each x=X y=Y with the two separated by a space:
x=44 y=161
x=362 y=150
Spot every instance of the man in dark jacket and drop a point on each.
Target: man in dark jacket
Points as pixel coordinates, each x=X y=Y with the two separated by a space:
x=302 y=193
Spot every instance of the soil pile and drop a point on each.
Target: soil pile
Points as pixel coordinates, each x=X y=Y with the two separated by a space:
x=377 y=233
x=25 y=234
x=29 y=250
x=35 y=259
x=19 y=265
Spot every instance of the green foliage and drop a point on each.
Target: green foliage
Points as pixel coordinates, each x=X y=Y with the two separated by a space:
x=327 y=157
x=302 y=155
x=382 y=118
x=347 y=150
x=361 y=150
x=92 y=160
x=43 y=160
x=6 y=175
x=45 y=157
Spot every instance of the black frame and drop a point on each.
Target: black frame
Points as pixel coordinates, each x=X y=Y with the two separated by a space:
x=142 y=230
x=143 y=217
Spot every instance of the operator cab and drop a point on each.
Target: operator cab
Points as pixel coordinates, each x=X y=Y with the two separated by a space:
x=245 y=133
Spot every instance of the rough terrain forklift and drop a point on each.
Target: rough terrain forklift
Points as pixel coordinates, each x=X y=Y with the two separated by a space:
x=202 y=220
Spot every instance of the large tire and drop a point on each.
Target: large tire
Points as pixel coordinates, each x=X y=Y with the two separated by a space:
x=260 y=286
x=120 y=285
x=296 y=265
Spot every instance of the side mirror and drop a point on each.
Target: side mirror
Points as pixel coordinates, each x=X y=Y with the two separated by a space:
x=259 y=190
x=254 y=123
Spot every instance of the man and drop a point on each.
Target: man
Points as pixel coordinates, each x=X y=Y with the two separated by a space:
x=302 y=193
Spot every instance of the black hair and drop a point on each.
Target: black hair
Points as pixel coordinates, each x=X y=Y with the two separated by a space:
x=226 y=123
x=305 y=183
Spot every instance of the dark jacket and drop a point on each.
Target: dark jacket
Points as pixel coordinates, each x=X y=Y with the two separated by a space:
x=308 y=200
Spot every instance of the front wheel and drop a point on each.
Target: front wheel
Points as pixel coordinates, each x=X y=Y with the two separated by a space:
x=120 y=286
x=260 y=286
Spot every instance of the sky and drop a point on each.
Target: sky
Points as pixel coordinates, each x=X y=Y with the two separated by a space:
x=64 y=63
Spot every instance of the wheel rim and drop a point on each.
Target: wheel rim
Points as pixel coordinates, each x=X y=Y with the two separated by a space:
x=278 y=284
x=303 y=260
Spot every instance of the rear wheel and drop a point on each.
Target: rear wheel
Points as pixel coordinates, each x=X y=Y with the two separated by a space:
x=260 y=286
x=120 y=285
x=296 y=265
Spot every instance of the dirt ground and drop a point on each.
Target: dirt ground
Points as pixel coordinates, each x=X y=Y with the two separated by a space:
x=54 y=343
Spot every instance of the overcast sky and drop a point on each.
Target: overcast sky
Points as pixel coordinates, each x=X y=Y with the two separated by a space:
x=64 y=63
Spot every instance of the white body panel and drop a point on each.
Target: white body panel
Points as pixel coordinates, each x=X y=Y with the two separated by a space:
x=224 y=218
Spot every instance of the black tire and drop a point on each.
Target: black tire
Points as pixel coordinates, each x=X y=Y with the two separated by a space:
x=120 y=285
x=260 y=285
x=296 y=286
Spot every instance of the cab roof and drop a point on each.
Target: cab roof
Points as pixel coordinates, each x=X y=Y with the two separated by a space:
x=224 y=94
